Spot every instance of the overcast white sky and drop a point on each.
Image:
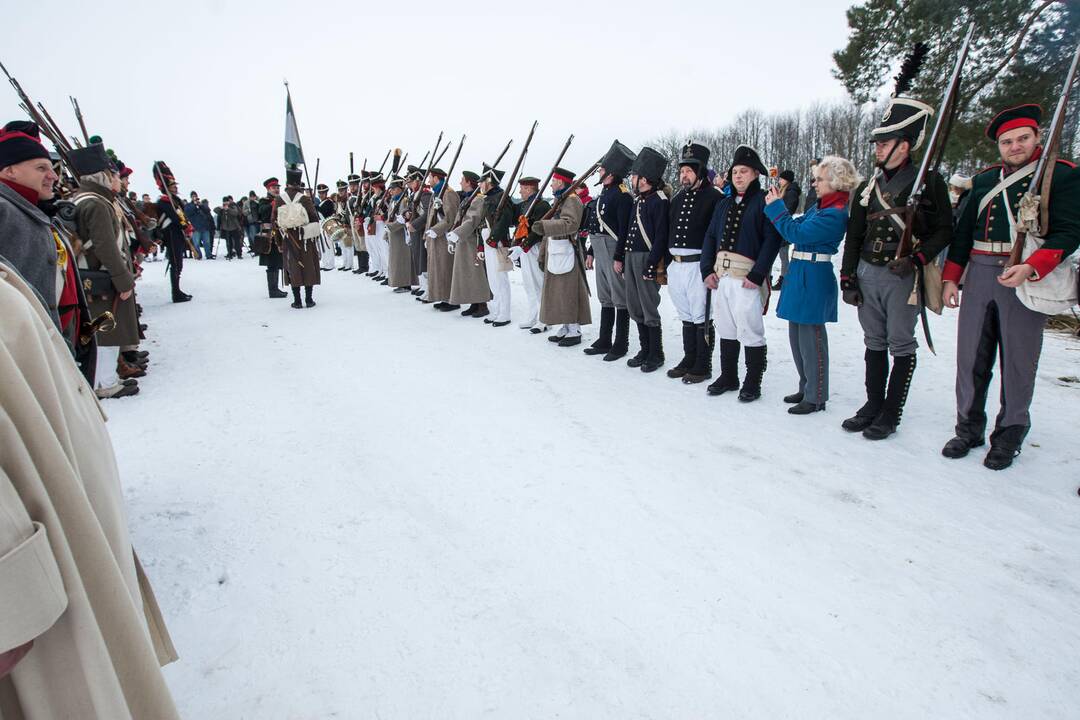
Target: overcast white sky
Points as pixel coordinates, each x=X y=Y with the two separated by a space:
x=199 y=84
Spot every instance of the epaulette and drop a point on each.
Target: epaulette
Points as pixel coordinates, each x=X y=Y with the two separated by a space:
x=623 y=188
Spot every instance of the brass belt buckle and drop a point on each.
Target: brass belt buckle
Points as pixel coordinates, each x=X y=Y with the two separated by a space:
x=725 y=263
x=877 y=247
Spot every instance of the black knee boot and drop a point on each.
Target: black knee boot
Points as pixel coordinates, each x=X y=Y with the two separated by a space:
x=308 y=299
x=271 y=285
x=888 y=419
x=621 y=344
x=703 y=344
x=296 y=298
x=729 y=368
x=755 y=370
x=689 y=346
x=643 y=338
x=877 y=374
x=607 y=324
x=656 y=350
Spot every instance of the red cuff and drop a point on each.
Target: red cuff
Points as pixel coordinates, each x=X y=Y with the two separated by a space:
x=952 y=272
x=1044 y=261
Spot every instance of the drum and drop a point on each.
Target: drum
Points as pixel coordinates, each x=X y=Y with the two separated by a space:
x=335 y=230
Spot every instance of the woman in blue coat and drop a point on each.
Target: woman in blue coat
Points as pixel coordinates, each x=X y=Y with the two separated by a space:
x=808 y=299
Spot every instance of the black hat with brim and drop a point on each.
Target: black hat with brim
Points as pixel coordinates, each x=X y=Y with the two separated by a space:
x=748 y=157
x=437 y=172
x=471 y=176
x=271 y=181
x=904 y=119
x=563 y=174
x=529 y=180
x=491 y=175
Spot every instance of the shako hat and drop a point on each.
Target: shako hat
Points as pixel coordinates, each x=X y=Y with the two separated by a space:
x=650 y=165
x=293 y=175
x=89 y=160
x=163 y=176
x=696 y=155
x=618 y=160
x=563 y=174
x=905 y=117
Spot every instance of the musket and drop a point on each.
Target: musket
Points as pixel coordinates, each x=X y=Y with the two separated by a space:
x=427 y=172
x=523 y=221
x=1034 y=214
x=572 y=190
x=935 y=148
x=493 y=165
x=61 y=144
x=316 y=175
x=53 y=124
x=79 y=117
x=517 y=168
x=453 y=164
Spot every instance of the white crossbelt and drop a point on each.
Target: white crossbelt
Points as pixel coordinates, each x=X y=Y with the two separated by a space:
x=811 y=257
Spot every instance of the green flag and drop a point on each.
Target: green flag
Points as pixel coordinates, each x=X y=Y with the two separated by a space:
x=293 y=156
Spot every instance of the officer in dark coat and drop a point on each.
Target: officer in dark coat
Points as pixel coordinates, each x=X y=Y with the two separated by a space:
x=692 y=208
x=737 y=256
x=173 y=226
x=993 y=321
x=648 y=229
x=607 y=219
x=878 y=276
x=270 y=259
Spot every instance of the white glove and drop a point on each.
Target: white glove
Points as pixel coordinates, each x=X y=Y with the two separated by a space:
x=408 y=238
x=516 y=253
x=400 y=219
x=485 y=233
x=430 y=234
x=450 y=247
x=452 y=238
x=386 y=234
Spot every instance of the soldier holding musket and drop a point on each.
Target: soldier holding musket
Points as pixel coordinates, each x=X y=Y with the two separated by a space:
x=993 y=320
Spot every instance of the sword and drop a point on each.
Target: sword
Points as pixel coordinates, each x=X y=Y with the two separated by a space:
x=922 y=309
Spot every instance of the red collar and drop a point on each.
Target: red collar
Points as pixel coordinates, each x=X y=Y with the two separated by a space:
x=31 y=196
x=833 y=200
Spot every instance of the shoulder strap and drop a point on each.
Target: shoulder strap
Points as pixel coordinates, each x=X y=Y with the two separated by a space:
x=641 y=228
x=1004 y=184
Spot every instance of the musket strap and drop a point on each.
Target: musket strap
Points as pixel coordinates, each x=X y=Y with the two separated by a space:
x=641 y=228
x=1004 y=184
x=894 y=218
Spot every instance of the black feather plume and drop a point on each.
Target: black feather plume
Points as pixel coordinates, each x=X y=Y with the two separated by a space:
x=912 y=64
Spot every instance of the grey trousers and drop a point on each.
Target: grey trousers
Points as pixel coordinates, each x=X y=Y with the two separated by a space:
x=888 y=322
x=993 y=324
x=416 y=249
x=610 y=287
x=810 y=350
x=642 y=296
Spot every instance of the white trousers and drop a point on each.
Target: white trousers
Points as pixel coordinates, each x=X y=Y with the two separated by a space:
x=499 y=282
x=379 y=250
x=326 y=261
x=423 y=284
x=737 y=312
x=533 y=279
x=687 y=291
x=107 y=358
x=347 y=255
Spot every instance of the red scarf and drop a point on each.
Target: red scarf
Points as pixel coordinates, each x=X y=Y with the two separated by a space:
x=833 y=200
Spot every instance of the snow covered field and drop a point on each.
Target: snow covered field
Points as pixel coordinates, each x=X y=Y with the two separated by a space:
x=370 y=509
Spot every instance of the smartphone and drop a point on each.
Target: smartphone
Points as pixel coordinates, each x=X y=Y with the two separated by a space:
x=774 y=176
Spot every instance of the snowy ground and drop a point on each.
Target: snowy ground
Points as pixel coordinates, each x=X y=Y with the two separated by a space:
x=371 y=509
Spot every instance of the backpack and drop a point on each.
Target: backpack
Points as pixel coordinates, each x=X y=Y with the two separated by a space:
x=291 y=213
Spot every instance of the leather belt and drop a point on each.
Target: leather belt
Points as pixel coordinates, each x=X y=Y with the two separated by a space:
x=686 y=258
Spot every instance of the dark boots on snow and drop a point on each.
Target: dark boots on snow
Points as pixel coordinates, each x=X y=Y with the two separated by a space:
x=729 y=368
x=621 y=344
x=607 y=324
x=877 y=374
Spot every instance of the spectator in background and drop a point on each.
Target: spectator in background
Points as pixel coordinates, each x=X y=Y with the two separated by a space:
x=791 y=194
x=811 y=193
x=250 y=209
x=959 y=189
x=208 y=214
x=202 y=225
x=230 y=223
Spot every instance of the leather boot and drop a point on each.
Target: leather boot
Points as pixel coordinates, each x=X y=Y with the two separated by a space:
x=296 y=298
x=702 y=368
x=607 y=324
x=621 y=344
x=729 y=368
x=877 y=374
x=308 y=299
x=271 y=285
x=888 y=419
x=643 y=338
x=755 y=369
x=689 y=347
x=1005 y=444
x=656 y=350
x=481 y=310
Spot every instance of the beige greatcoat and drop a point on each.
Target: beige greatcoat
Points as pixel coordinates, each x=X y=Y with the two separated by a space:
x=440 y=261
x=400 y=272
x=565 y=297
x=469 y=284
x=69 y=579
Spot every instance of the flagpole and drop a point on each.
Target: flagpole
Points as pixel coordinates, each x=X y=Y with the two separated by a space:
x=299 y=144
